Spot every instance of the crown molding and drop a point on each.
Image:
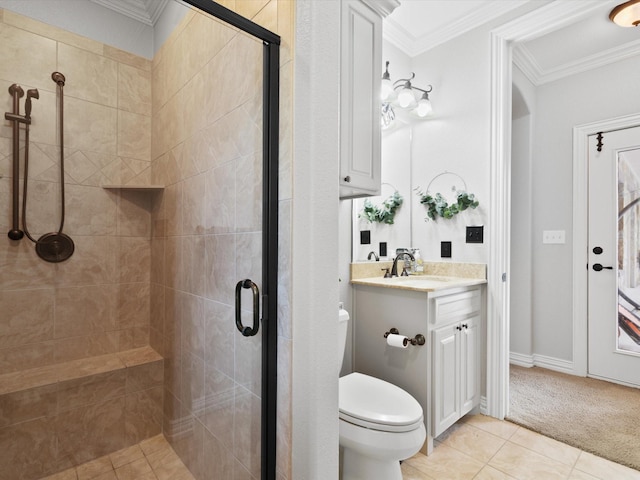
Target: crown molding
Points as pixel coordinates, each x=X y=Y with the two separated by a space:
x=539 y=76
x=413 y=46
x=526 y=62
x=384 y=8
x=143 y=11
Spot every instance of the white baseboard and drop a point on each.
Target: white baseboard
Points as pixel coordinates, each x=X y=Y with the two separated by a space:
x=483 y=405
x=521 y=360
x=535 y=360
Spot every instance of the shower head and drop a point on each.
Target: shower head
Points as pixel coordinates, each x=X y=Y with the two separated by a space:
x=31 y=93
x=58 y=78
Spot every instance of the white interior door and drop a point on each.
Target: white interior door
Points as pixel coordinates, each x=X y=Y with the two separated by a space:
x=614 y=256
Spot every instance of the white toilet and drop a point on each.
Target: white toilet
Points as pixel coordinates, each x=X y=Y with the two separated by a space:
x=380 y=424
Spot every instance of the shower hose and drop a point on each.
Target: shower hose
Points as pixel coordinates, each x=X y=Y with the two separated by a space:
x=58 y=78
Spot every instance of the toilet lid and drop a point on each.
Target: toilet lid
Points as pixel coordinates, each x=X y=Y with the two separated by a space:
x=374 y=403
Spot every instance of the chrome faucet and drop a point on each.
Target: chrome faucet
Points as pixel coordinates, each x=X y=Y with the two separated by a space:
x=374 y=255
x=394 y=269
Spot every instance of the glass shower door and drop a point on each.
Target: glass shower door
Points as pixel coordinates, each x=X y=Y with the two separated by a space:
x=221 y=78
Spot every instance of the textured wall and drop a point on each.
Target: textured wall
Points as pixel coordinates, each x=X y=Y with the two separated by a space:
x=97 y=301
x=58 y=410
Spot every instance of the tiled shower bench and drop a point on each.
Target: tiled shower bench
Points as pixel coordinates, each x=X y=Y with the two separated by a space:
x=61 y=415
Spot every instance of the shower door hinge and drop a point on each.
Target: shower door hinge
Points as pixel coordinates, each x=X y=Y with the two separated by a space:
x=265 y=308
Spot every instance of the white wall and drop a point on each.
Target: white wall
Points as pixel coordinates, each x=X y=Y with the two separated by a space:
x=599 y=94
x=315 y=241
x=521 y=328
x=456 y=139
x=396 y=172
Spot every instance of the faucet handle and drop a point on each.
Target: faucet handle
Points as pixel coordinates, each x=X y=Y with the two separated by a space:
x=405 y=272
x=386 y=273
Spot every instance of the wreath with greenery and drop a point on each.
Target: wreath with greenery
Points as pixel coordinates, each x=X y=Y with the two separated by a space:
x=385 y=213
x=437 y=205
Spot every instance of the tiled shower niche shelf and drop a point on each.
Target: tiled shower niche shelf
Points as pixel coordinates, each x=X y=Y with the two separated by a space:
x=135 y=188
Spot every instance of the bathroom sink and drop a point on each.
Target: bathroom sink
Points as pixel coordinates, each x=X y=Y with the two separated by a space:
x=422 y=283
x=424 y=278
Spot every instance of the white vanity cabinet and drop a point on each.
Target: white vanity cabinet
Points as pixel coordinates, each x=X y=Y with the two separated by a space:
x=455 y=342
x=360 y=77
x=444 y=374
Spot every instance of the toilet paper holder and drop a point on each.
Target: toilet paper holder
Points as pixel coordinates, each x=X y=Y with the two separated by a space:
x=417 y=340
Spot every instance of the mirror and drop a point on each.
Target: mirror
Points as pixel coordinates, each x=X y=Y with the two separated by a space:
x=396 y=172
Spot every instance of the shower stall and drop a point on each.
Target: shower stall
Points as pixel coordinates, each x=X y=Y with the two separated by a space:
x=170 y=193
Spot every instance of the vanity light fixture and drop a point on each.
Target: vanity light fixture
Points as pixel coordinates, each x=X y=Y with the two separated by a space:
x=626 y=14
x=401 y=95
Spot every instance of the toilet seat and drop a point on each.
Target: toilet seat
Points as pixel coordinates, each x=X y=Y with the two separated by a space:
x=378 y=405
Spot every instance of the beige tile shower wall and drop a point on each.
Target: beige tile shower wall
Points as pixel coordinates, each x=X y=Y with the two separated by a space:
x=206 y=149
x=96 y=302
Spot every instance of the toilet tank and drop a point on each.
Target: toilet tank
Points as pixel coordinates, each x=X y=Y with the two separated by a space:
x=343 y=323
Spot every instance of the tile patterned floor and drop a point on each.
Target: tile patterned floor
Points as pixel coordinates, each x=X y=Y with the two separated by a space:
x=477 y=447
x=151 y=459
x=483 y=448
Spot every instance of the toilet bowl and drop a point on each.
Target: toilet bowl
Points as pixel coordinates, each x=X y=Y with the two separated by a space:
x=380 y=424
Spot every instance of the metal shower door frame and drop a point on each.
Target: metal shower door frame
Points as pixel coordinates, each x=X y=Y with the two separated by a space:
x=270 y=166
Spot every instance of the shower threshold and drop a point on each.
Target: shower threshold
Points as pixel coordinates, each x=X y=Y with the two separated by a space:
x=151 y=459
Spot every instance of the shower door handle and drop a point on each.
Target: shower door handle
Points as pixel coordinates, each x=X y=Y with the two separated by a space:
x=248 y=331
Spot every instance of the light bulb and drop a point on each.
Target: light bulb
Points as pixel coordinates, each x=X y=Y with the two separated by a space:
x=405 y=97
x=385 y=89
x=424 y=107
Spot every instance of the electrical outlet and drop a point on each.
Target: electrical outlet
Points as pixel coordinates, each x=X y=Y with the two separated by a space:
x=553 y=236
x=445 y=249
x=365 y=237
x=475 y=234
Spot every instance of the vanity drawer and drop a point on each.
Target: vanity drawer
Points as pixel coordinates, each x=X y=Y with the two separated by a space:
x=449 y=308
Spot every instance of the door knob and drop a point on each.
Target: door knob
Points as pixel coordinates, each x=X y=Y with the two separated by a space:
x=598 y=267
x=597 y=250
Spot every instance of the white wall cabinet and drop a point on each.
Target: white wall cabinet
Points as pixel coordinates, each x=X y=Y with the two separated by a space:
x=444 y=375
x=360 y=77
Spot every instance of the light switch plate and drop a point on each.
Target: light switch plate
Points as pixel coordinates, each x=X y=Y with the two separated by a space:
x=553 y=236
x=475 y=234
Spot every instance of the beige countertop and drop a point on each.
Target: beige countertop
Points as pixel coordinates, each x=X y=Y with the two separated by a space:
x=437 y=276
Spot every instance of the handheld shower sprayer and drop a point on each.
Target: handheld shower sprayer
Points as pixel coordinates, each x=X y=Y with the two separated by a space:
x=31 y=93
x=58 y=78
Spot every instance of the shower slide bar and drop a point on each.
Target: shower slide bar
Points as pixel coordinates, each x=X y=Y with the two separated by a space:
x=17 y=93
x=55 y=246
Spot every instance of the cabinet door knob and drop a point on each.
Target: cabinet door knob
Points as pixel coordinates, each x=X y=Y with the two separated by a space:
x=347 y=179
x=464 y=325
x=458 y=327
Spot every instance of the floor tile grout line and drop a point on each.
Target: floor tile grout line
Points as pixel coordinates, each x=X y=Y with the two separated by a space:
x=509 y=441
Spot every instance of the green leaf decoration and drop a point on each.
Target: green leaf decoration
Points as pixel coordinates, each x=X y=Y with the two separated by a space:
x=384 y=214
x=437 y=206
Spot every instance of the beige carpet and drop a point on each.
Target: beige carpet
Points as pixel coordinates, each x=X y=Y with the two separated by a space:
x=593 y=415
